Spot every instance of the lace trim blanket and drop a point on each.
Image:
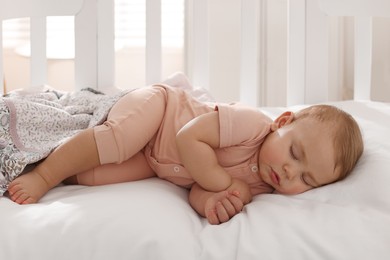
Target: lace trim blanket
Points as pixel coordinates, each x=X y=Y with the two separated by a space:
x=32 y=125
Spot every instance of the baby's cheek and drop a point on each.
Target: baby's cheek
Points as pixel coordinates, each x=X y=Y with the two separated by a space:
x=273 y=154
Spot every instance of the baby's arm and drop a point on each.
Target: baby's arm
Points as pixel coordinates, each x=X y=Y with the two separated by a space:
x=196 y=142
x=219 y=207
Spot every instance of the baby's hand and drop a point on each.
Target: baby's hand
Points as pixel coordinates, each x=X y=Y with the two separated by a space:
x=222 y=206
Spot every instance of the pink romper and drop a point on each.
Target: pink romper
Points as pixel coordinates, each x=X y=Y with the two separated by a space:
x=147 y=120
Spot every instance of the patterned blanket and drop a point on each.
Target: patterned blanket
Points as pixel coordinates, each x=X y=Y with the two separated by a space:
x=33 y=124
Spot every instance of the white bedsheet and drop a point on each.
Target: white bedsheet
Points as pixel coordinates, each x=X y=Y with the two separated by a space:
x=151 y=219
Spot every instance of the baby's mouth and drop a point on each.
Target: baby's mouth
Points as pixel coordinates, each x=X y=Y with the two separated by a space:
x=274 y=177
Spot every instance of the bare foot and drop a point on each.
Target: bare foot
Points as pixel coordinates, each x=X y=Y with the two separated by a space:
x=28 y=188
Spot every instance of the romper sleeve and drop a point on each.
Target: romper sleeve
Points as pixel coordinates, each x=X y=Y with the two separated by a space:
x=241 y=125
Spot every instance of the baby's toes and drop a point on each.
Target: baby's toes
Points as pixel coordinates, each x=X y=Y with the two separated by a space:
x=29 y=201
x=18 y=196
x=13 y=188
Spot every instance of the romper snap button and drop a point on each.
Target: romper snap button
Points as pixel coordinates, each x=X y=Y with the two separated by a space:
x=255 y=168
x=176 y=169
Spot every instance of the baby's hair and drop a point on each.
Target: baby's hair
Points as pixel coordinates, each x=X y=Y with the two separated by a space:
x=348 y=141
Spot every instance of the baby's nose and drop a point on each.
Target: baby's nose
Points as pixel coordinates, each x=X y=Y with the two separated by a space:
x=291 y=171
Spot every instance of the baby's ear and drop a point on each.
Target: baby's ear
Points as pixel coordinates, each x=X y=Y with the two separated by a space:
x=284 y=119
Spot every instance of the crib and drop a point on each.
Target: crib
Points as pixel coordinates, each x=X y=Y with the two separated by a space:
x=151 y=219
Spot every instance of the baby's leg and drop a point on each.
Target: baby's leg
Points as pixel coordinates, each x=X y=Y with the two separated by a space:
x=130 y=125
x=136 y=168
x=76 y=155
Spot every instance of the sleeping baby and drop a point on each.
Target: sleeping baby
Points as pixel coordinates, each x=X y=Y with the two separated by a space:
x=223 y=153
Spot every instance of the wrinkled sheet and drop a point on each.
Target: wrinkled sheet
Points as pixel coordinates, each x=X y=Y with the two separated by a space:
x=151 y=219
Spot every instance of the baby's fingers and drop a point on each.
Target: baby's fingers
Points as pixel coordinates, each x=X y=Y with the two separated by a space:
x=219 y=214
x=229 y=206
x=236 y=202
x=222 y=213
x=212 y=217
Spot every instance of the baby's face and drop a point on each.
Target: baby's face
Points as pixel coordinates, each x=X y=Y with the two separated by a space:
x=298 y=157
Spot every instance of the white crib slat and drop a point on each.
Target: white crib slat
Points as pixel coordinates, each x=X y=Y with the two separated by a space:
x=105 y=45
x=199 y=43
x=296 y=64
x=249 y=81
x=317 y=58
x=86 y=46
x=38 y=67
x=363 y=57
x=153 y=41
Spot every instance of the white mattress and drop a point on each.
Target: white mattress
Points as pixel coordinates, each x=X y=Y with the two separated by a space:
x=152 y=219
